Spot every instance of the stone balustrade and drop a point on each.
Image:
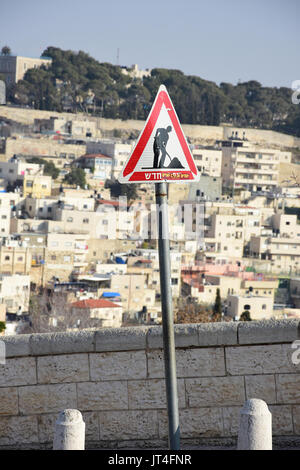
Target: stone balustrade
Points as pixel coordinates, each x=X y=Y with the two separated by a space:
x=115 y=378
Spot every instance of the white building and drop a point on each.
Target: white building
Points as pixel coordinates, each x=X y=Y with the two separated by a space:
x=15 y=293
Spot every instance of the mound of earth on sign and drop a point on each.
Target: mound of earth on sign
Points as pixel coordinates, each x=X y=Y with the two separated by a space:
x=175 y=163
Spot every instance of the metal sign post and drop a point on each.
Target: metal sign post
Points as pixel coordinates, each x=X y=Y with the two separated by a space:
x=167 y=314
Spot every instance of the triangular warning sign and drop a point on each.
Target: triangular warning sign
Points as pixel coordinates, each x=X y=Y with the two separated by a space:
x=161 y=152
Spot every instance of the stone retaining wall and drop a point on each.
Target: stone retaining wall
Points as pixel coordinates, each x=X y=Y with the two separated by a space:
x=115 y=377
x=203 y=134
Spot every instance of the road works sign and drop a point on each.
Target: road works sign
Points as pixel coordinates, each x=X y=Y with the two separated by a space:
x=161 y=152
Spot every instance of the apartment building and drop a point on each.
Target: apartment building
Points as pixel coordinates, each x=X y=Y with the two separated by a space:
x=207 y=188
x=14 y=259
x=56 y=256
x=208 y=160
x=62 y=125
x=206 y=290
x=259 y=308
x=99 y=165
x=248 y=167
x=41 y=208
x=103 y=250
x=135 y=72
x=15 y=293
x=281 y=247
x=154 y=278
x=15 y=170
x=118 y=151
x=5 y=214
x=37 y=186
x=283 y=253
x=109 y=314
x=224 y=237
x=134 y=291
x=14 y=67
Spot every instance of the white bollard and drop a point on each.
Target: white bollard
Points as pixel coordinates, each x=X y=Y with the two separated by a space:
x=69 y=431
x=255 y=432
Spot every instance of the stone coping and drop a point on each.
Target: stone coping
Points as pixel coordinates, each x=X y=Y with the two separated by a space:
x=150 y=337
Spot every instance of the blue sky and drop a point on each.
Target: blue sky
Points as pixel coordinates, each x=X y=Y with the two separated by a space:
x=218 y=40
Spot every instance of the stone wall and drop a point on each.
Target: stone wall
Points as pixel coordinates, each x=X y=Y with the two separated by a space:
x=201 y=134
x=115 y=377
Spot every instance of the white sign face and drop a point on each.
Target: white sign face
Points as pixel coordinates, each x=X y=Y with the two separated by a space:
x=161 y=152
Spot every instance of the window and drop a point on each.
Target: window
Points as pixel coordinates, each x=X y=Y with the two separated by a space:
x=29 y=184
x=7 y=258
x=70 y=219
x=67 y=259
x=53 y=257
x=54 y=243
x=20 y=258
x=264 y=307
x=4 y=217
x=85 y=221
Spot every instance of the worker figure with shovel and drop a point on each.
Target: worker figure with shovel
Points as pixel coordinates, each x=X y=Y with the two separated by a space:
x=159 y=147
x=160 y=142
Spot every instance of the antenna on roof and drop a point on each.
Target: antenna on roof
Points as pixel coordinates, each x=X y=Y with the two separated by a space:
x=118 y=56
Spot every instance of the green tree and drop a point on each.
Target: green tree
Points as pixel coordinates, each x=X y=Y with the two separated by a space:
x=2 y=326
x=49 y=167
x=217 y=310
x=76 y=177
x=74 y=77
x=5 y=50
x=245 y=316
x=117 y=189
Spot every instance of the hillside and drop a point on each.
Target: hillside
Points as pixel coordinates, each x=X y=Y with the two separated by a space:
x=77 y=82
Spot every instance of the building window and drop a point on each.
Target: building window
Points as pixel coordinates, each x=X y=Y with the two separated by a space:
x=29 y=184
x=70 y=219
x=85 y=221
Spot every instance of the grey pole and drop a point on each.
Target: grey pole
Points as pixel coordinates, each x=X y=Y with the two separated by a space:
x=167 y=314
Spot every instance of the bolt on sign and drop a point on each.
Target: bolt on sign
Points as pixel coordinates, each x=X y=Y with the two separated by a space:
x=161 y=152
